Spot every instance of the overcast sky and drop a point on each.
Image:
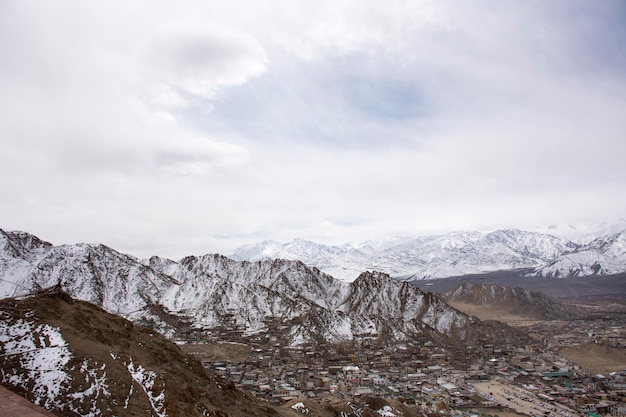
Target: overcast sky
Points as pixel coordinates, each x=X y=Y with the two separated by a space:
x=173 y=128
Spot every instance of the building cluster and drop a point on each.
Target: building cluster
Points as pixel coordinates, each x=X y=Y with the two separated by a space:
x=537 y=381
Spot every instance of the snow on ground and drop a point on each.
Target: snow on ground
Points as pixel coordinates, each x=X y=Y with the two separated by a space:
x=36 y=360
x=343 y=329
x=146 y=380
x=96 y=386
x=296 y=337
x=299 y=406
x=42 y=354
x=386 y=412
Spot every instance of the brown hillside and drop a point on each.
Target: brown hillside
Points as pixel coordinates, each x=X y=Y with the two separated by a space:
x=508 y=304
x=115 y=367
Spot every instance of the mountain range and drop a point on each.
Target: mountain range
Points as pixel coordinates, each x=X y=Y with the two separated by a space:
x=455 y=254
x=213 y=292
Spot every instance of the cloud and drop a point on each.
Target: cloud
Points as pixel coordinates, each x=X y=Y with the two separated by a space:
x=347 y=27
x=199 y=158
x=198 y=61
x=175 y=129
x=72 y=95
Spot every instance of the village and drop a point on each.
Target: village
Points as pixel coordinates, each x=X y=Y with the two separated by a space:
x=531 y=380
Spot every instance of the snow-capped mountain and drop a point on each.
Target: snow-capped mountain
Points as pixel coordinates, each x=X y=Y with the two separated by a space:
x=452 y=254
x=95 y=273
x=213 y=288
x=344 y=262
x=213 y=291
x=603 y=256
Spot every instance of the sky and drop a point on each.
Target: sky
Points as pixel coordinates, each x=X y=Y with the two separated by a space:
x=177 y=128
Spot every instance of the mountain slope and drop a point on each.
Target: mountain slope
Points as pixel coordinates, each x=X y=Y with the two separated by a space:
x=318 y=306
x=411 y=310
x=75 y=359
x=18 y=250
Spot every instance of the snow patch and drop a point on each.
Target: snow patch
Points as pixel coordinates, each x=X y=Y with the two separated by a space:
x=146 y=379
x=97 y=386
x=39 y=357
x=299 y=406
x=386 y=412
x=42 y=355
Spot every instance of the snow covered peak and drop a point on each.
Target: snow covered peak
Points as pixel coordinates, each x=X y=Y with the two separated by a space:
x=439 y=256
x=21 y=243
x=614 y=244
x=602 y=256
x=369 y=277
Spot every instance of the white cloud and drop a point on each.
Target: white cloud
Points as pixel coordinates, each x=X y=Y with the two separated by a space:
x=199 y=61
x=348 y=27
x=175 y=129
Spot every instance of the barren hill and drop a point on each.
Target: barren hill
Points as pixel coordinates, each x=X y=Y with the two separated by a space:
x=509 y=301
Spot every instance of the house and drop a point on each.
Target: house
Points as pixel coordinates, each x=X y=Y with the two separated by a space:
x=378 y=381
x=416 y=377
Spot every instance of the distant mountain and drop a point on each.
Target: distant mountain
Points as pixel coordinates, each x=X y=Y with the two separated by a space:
x=517 y=301
x=344 y=262
x=603 y=256
x=286 y=298
x=452 y=254
x=75 y=359
x=425 y=257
